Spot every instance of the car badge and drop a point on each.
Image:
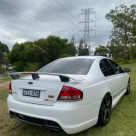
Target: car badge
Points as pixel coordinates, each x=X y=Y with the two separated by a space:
x=50 y=96
x=30 y=83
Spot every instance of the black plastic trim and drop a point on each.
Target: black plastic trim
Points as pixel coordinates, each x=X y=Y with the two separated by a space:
x=35 y=121
x=64 y=79
x=15 y=77
x=35 y=76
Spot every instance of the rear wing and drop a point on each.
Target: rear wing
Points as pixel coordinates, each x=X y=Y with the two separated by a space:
x=35 y=75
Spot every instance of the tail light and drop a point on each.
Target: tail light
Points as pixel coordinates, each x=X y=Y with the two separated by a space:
x=69 y=93
x=10 y=88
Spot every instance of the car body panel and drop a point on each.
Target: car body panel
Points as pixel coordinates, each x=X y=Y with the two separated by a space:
x=72 y=116
x=47 y=86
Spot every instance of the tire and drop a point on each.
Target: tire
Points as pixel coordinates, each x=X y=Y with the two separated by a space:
x=128 y=89
x=105 y=111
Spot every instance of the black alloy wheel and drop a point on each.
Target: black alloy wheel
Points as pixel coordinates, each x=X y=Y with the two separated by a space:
x=105 y=110
x=128 y=89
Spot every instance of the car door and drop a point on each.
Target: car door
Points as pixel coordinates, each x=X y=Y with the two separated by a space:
x=122 y=78
x=111 y=78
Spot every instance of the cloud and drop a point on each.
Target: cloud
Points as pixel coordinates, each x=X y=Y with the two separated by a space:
x=17 y=26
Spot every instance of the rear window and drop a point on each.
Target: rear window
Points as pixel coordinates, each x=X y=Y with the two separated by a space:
x=69 y=66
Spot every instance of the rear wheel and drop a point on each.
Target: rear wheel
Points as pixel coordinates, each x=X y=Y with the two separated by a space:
x=105 y=111
x=128 y=89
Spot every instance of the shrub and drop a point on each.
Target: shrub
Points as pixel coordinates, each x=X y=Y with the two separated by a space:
x=133 y=61
x=118 y=60
x=128 y=61
x=64 y=56
x=2 y=70
x=19 y=66
x=31 y=67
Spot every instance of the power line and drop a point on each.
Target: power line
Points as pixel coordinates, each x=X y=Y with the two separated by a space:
x=78 y=4
x=99 y=30
x=97 y=38
x=56 y=12
x=66 y=9
x=87 y=3
x=34 y=16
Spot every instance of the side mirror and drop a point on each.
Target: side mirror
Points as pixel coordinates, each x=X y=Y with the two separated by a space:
x=127 y=70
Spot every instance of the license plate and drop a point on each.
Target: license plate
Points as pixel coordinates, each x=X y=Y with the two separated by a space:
x=31 y=93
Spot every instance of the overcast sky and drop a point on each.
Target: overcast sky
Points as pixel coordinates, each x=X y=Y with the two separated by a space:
x=16 y=26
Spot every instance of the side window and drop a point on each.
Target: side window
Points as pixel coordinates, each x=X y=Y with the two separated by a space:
x=108 y=68
x=103 y=68
x=116 y=67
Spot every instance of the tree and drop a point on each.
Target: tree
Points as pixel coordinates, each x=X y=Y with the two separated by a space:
x=19 y=66
x=64 y=56
x=133 y=52
x=114 y=46
x=71 y=47
x=31 y=67
x=124 y=26
x=82 y=49
x=3 y=52
x=41 y=52
x=14 y=55
x=101 y=51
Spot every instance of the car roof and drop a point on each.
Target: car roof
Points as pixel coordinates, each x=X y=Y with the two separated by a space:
x=85 y=57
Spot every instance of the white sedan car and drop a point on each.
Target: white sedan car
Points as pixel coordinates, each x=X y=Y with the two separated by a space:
x=70 y=94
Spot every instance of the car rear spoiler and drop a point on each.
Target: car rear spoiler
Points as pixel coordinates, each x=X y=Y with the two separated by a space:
x=35 y=75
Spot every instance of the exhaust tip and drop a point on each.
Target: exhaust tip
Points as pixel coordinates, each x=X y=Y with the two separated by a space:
x=56 y=131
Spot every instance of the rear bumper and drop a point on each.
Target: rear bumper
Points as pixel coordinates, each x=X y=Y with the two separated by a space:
x=35 y=121
x=71 y=117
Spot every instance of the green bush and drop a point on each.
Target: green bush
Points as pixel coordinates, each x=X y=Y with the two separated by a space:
x=31 y=67
x=125 y=62
x=133 y=61
x=118 y=60
x=64 y=56
x=19 y=66
x=2 y=70
x=128 y=61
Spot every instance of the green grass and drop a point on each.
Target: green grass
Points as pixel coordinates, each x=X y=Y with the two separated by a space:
x=5 y=79
x=122 y=123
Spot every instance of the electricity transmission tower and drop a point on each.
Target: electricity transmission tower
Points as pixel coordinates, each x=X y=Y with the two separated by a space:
x=86 y=21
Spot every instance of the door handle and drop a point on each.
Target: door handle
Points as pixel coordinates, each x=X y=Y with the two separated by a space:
x=111 y=83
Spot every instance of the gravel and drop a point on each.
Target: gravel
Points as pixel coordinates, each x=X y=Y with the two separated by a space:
x=4 y=84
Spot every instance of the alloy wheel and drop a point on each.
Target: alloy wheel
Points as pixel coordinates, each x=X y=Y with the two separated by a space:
x=128 y=87
x=106 y=108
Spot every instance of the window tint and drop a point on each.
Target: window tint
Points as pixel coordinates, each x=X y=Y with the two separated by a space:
x=77 y=66
x=108 y=68
x=103 y=68
x=116 y=67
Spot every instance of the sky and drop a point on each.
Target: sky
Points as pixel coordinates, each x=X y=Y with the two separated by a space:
x=30 y=20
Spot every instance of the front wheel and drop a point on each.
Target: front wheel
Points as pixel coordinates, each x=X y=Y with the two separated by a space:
x=105 y=111
x=128 y=89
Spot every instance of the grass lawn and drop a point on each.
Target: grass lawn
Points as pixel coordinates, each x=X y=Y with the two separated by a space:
x=5 y=79
x=122 y=123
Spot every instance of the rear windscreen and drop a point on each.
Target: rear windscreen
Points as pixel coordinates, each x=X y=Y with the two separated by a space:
x=69 y=66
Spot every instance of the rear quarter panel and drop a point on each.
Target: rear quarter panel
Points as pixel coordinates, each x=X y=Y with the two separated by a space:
x=94 y=86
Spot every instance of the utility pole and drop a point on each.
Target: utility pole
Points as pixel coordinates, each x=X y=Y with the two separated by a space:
x=86 y=21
